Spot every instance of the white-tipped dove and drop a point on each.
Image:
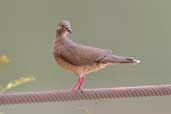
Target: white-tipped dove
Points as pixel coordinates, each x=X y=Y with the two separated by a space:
x=81 y=59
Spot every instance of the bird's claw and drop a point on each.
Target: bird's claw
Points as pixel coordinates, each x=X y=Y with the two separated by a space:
x=77 y=89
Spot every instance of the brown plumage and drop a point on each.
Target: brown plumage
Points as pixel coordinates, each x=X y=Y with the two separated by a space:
x=81 y=59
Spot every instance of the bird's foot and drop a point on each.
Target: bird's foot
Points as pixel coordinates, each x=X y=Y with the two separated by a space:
x=77 y=89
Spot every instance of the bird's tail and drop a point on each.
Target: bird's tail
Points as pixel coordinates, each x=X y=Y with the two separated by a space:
x=120 y=59
x=132 y=60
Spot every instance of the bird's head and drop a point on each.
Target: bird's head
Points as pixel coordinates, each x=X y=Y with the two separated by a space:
x=64 y=27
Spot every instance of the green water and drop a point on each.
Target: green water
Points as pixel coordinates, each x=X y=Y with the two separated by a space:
x=138 y=28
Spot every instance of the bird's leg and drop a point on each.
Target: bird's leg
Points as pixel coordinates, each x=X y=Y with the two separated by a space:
x=76 y=84
x=79 y=83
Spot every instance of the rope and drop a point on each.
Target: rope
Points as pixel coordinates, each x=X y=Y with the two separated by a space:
x=85 y=94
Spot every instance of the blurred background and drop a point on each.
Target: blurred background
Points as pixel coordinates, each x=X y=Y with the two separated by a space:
x=137 y=28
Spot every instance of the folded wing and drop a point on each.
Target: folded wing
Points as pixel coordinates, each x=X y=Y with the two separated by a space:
x=84 y=55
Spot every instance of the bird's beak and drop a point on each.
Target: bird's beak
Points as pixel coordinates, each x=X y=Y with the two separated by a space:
x=70 y=30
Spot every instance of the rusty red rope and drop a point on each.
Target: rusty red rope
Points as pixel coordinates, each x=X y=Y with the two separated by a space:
x=86 y=94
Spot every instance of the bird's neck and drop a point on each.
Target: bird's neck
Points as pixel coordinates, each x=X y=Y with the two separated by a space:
x=62 y=34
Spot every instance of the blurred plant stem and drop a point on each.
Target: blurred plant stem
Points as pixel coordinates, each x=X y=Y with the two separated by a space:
x=13 y=84
x=16 y=83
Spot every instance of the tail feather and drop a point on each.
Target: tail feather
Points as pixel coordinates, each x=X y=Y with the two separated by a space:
x=132 y=60
x=120 y=59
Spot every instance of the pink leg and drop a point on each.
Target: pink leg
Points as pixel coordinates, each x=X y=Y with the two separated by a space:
x=79 y=83
x=76 y=84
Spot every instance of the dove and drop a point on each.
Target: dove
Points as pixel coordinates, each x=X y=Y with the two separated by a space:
x=81 y=59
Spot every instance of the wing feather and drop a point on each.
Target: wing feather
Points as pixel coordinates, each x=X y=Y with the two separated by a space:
x=81 y=55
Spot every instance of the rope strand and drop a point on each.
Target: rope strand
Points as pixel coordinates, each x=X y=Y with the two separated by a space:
x=86 y=94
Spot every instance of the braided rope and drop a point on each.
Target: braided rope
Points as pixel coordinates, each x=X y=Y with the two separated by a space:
x=86 y=94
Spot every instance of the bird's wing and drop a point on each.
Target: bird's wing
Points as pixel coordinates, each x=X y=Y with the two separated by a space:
x=82 y=55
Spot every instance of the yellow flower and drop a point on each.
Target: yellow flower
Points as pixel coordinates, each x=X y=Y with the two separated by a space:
x=4 y=59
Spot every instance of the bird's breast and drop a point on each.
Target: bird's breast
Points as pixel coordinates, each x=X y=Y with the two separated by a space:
x=82 y=69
